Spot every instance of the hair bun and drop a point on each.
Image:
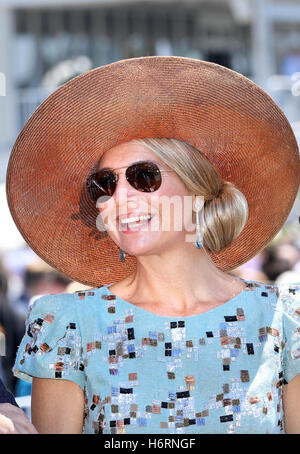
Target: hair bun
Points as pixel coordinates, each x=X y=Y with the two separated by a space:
x=224 y=187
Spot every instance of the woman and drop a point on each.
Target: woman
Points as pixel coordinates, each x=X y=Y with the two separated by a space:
x=166 y=340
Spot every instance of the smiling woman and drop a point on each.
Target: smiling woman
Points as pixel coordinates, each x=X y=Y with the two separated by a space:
x=221 y=220
x=168 y=340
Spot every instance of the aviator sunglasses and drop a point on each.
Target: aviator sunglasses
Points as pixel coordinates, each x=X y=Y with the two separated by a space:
x=144 y=176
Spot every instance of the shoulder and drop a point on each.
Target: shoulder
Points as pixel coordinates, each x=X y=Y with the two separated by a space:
x=54 y=302
x=286 y=296
x=49 y=316
x=81 y=303
x=260 y=300
x=261 y=292
x=64 y=301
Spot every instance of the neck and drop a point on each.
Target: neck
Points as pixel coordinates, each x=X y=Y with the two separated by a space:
x=180 y=280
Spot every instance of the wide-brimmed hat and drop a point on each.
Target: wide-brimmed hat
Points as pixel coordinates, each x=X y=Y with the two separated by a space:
x=234 y=122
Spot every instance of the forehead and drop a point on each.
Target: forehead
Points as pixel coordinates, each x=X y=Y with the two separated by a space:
x=127 y=153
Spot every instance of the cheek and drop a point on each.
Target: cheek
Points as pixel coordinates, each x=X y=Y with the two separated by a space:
x=173 y=188
x=174 y=211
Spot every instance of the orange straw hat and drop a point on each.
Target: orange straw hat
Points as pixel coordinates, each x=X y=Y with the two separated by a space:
x=228 y=117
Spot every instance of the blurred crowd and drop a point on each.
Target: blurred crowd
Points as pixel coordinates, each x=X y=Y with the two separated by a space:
x=277 y=264
x=21 y=284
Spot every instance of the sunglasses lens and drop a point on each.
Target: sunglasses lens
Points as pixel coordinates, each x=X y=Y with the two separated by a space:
x=144 y=176
x=101 y=184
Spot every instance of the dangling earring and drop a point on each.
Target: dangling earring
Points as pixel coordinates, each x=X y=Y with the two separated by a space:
x=122 y=255
x=199 y=243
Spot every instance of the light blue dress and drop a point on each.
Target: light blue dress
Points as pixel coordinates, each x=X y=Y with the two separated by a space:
x=222 y=371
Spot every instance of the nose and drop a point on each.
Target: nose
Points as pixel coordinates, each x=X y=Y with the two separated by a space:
x=123 y=188
x=127 y=198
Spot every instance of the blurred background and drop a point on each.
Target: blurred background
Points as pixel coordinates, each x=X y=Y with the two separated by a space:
x=45 y=43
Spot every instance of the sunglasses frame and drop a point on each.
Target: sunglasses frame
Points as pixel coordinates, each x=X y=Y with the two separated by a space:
x=116 y=176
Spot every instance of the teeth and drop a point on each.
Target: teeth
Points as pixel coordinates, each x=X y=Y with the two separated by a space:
x=135 y=219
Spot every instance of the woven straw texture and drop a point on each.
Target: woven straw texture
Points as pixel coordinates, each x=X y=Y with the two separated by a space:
x=224 y=114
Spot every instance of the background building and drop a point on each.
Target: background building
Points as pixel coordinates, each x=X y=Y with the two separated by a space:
x=259 y=38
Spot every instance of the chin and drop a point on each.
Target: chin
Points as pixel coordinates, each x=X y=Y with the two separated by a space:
x=140 y=246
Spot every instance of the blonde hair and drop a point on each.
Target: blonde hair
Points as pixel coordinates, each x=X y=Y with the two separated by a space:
x=225 y=210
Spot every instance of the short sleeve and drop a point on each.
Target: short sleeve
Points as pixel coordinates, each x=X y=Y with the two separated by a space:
x=52 y=344
x=289 y=295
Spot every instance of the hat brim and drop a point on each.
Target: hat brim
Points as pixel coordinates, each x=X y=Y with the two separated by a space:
x=228 y=117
